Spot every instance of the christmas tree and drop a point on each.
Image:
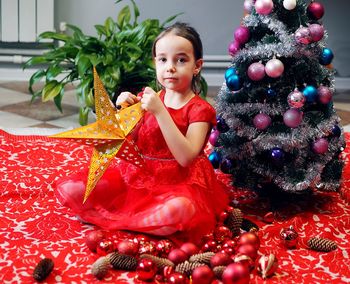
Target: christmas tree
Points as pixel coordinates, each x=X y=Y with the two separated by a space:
x=277 y=126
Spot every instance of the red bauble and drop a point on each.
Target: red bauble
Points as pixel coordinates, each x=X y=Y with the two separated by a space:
x=177 y=278
x=177 y=255
x=189 y=248
x=209 y=246
x=163 y=247
x=315 y=10
x=249 y=238
x=236 y=273
x=222 y=233
x=248 y=250
x=245 y=260
x=222 y=217
x=105 y=247
x=128 y=247
x=147 y=247
x=93 y=238
x=146 y=269
x=202 y=275
x=289 y=237
x=167 y=271
x=220 y=259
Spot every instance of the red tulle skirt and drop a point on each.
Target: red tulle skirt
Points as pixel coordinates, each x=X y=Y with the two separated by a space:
x=126 y=194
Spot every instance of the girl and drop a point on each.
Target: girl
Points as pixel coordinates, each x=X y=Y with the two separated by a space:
x=178 y=194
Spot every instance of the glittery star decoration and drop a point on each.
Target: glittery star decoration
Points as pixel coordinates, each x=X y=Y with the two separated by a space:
x=109 y=135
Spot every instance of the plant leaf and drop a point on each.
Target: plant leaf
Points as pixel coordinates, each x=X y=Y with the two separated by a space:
x=83 y=115
x=170 y=19
x=83 y=63
x=53 y=71
x=53 y=35
x=124 y=17
x=58 y=100
x=51 y=90
x=36 y=77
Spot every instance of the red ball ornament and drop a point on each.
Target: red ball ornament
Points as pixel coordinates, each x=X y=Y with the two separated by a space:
x=93 y=238
x=320 y=146
x=245 y=260
x=163 y=247
x=177 y=255
x=209 y=246
x=248 y=250
x=262 y=121
x=315 y=10
x=289 y=237
x=189 y=248
x=202 y=275
x=222 y=233
x=105 y=247
x=147 y=247
x=222 y=217
x=236 y=273
x=128 y=247
x=249 y=238
x=267 y=265
x=167 y=271
x=220 y=259
x=146 y=269
x=177 y=278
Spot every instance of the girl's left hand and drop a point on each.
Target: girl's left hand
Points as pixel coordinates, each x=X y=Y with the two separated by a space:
x=151 y=102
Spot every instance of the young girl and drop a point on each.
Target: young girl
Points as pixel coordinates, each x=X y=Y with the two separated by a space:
x=177 y=193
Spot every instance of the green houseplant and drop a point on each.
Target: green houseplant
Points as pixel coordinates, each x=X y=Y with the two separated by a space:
x=121 y=54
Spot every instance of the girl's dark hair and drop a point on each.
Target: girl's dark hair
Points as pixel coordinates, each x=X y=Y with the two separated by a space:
x=189 y=33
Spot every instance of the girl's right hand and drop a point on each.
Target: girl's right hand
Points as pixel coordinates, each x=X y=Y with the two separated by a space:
x=127 y=98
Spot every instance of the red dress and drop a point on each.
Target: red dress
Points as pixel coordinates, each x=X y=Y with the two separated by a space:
x=126 y=194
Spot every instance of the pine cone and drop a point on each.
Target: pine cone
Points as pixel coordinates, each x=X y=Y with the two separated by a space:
x=218 y=270
x=43 y=269
x=202 y=257
x=234 y=221
x=321 y=244
x=122 y=261
x=159 y=261
x=187 y=267
x=249 y=226
x=100 y=267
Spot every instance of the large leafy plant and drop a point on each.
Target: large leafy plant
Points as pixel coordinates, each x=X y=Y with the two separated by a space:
x=121 y=54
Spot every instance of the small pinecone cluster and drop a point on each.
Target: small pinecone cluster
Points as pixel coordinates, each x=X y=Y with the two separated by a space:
x=234 y=221
x=161 y=262
x=321 y=244
x=43 y=269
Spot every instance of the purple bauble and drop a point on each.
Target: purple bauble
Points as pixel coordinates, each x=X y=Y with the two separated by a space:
x=226 y=165
x=324 y=95
x=233 y=47
x=315 y=10
x=213 y=138
x=242 y=35
x=248 y=6
x=221 y=125
x=336 y=131
x=256 y=71
x=320 y=146
x=274 y=68
x=262 y=121
x=302 y=35
x=263 y=7
x=277 y=156
x=292 y=117
x=316 y=32
x=296 y=99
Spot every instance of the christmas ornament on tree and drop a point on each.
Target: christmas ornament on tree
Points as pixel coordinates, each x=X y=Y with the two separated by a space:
x=241 y=35
x=289 y=4
x=274 y=68
x=320 y=146
x=296 y=99
x=303 y=36
x=263 y=7
x=256 y=71
x=262 y=121
x=292 y=117
x=316 y=32
x=324 y=95
x=326 y=56
x=315 y=10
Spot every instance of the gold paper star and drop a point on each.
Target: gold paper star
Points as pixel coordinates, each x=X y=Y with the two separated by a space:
x=108 y=135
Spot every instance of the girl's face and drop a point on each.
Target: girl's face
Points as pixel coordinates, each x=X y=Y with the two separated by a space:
x=175 y=63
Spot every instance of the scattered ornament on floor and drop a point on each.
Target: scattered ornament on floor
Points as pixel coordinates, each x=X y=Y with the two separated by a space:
x=267 y=265
x=105 y=247
x=202 y=275
x=161 y=262
x=321 y=244
x=93 y=238
x=249 y=238
x=269 y=217
x=146 y=269
x=289 y=237
x=43 y=269
x=101 y=267
x=236 y=273
x=128 y=247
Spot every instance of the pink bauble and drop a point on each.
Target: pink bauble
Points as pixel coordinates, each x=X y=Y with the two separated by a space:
x=236 y=273
x=248 y=6
x=274 y=68
x=315 y=10
x=316 y=32
x=202 y=275
x=213 y=138
x=302 y=35
x=324 y=95
x=262 y=121
x=256 y=71
x=263 y=7
x=296 y=99
x=320 y=146
x=242 y=34
x=292 y=118
x=233 y=48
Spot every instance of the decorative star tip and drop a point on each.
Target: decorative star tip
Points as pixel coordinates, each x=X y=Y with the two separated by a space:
x=109 y=135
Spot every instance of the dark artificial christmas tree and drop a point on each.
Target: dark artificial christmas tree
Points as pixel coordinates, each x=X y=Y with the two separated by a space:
x=277 y=127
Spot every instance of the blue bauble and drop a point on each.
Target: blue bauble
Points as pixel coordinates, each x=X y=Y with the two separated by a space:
x=271 y=92
x=229 y=72
x=336 y=131
x=326 y=56
x=277 y=156
x=233 y=82
x=310 y=93
x=221 y=125
x=226 y=165
x=215 y=159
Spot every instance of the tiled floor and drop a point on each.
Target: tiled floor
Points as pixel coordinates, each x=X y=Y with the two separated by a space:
x=17 y=111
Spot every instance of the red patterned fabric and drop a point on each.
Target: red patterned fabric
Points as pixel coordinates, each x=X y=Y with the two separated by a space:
x=34 y=225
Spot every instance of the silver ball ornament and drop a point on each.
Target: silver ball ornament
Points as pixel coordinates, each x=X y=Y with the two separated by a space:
x=296 y=99
x=274 y=68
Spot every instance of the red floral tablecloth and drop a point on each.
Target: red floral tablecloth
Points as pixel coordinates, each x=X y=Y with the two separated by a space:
x=33 y=225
